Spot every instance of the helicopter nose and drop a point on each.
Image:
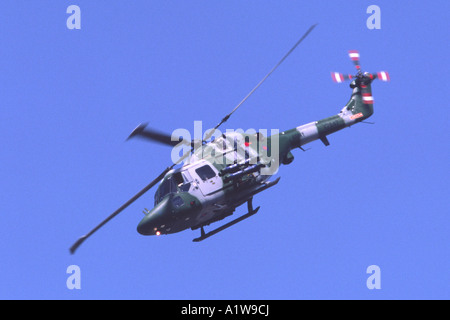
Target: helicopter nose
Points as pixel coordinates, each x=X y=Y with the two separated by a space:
x=152 y=222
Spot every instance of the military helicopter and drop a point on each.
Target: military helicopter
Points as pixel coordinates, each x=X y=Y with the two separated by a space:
x=223 y=173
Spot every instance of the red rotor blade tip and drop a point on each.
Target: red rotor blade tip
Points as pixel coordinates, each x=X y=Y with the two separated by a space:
x=367 y=98
x=354 y=55
x=383 y=75
x=337 y=77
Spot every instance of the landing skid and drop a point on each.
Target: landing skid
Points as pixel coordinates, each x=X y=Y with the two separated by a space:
x=251 y=212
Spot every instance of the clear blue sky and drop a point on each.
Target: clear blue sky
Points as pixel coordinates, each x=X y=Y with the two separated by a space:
x=378 y=195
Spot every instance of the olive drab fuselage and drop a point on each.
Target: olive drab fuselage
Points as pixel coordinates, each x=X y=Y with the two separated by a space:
x=204 y=191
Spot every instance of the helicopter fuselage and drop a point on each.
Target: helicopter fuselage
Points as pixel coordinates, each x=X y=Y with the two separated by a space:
x=227 y=172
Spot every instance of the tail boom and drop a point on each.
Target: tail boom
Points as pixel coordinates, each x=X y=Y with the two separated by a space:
x=356 y=110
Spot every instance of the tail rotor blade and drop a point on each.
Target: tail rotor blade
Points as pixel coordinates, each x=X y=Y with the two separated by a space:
x=339 y=77
x=367 y=98
x=366 y=94
x=383 y=76
x=354 y=56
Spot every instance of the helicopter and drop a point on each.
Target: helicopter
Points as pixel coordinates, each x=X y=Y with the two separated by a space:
x=221 y=174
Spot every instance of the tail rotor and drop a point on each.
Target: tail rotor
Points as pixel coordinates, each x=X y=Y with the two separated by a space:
x=360 y=80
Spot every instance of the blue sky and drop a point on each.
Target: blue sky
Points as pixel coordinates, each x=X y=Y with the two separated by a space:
x=378 y=195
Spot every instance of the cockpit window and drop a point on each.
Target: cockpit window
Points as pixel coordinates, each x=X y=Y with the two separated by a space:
x=168 y=186
x=205 y=172
x=172 y=184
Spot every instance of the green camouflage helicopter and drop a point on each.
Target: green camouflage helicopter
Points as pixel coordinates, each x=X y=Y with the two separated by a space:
x=224 y=173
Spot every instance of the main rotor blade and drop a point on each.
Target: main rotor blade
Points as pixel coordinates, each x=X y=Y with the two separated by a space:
x=157 y=136
x=211 y=133
x=74 y=247
x=115 y=213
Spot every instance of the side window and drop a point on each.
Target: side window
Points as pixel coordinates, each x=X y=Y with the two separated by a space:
x=178 y=178
x=187 y=181
x=205 y=172
x=185 y=187
x=181 y=181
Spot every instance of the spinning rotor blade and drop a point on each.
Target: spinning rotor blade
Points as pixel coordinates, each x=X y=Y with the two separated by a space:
x=365 y=92
x=362 y=80
x=339 y=77
x=115 y=213
x=126 y=204
x=211 y=133
x=150 y=134
x=354 y=55
x=383 y=76
x=367 y=97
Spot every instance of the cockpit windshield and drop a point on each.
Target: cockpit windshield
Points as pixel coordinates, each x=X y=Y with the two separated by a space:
x=177 y=182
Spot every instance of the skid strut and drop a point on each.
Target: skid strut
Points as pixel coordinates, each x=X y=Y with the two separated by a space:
x=251 y=212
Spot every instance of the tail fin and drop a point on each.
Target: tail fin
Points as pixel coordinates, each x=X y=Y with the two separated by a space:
x=360 y=105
